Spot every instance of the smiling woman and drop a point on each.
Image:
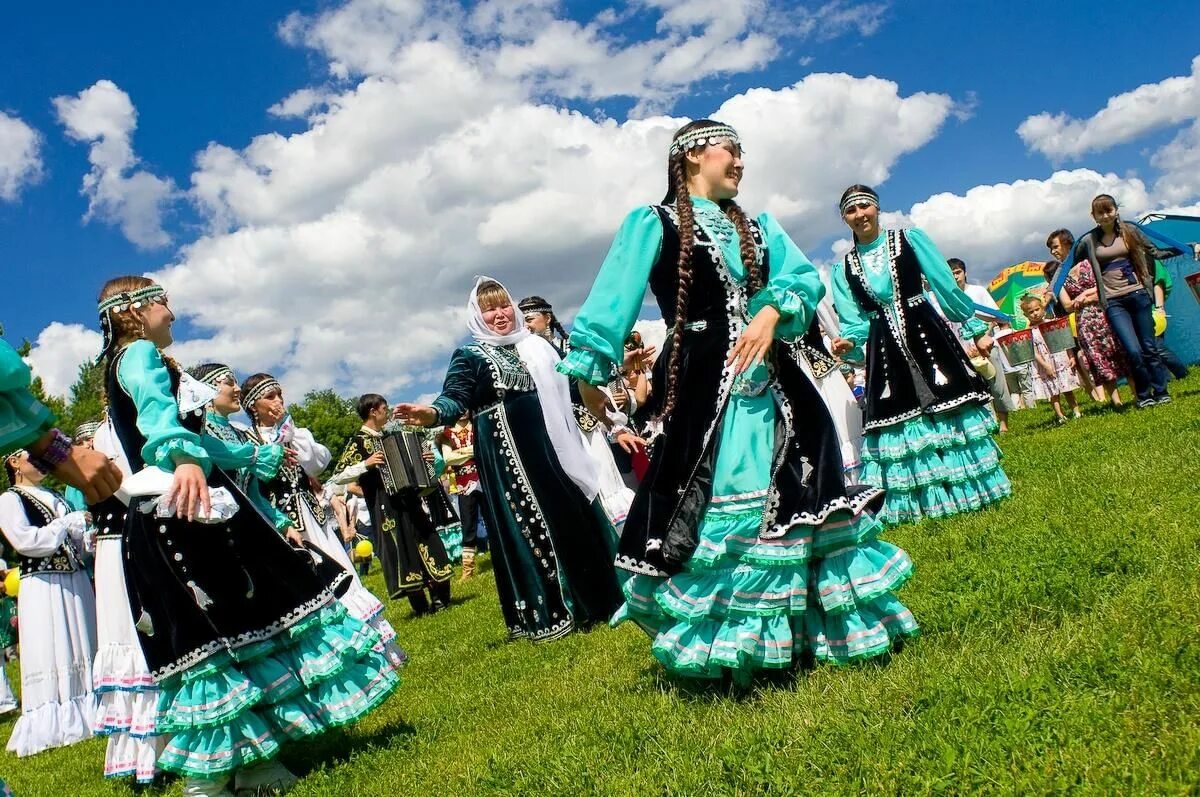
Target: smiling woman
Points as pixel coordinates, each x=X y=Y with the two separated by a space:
x=747 y=549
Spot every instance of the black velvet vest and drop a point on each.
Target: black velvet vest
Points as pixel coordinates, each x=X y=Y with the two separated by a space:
x=65 y=558
x=915 y=364
x=661 y=531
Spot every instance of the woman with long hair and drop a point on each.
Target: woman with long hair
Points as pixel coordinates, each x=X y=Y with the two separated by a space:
x=927 y=427
x=550 y=540
x=747 y=549
x=1122 y=264
x=241 y=632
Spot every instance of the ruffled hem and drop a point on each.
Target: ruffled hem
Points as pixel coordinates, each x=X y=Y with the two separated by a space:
x=950 y=429
x=452 y=540
x=121 y=668
x=233 y=711
x=939 y=501
x=746 y=604
x=129 y=756
x=953 y=465
x=126 y=712
x=53 y=725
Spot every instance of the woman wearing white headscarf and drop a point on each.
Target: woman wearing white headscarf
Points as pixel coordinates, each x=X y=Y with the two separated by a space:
x=553 y=547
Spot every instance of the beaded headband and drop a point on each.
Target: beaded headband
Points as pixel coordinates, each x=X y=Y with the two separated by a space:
x=703 y=136
x=217 y=375
x=535 y=307
x=86 y=431
x=131 y=299
x=860 y=198
x=261 y=389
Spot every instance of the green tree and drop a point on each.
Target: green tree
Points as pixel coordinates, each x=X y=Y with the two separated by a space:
x=333 y=420
x=86 y=401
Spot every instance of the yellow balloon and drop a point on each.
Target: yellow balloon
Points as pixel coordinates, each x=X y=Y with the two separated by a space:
x=364 y=549
x=1160 y=321
x=1074 y=331
x=12 y=582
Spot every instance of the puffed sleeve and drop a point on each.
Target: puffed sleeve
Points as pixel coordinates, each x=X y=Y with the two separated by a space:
x=457 y=389
x=32 y=540
x=955 y=303
x=854 y=322
x=794 y=287
x=144 y=376
x=264 y=461
x=311 y=455
x=611 y=308
x=23 y=419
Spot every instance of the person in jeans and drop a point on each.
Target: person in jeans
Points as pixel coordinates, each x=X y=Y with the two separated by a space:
x=1122 y=261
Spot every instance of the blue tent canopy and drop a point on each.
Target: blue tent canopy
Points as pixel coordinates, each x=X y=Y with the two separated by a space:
x=1183 y=307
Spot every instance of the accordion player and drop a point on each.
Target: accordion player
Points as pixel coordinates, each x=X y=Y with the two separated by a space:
x=404 y=467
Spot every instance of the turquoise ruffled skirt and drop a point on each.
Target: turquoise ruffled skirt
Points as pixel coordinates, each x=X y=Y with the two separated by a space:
x=744 y=603
x=935 y=466
x=235 y=709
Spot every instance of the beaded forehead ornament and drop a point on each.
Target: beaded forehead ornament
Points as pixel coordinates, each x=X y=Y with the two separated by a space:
x=218 y=375
x=703 y=136
x=261 y=389
x=860 y=198
x=120 y=302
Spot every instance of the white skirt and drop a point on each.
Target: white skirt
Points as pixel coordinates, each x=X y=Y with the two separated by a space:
x=8 y=701
x=614 y=496
x=847 y=417
x=128 y=706
x=57 y=630
x=359 y=601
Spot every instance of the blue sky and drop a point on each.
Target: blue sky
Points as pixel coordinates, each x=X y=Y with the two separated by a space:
x=201 y=73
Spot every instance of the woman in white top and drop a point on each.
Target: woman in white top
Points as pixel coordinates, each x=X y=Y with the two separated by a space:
x=56 y=612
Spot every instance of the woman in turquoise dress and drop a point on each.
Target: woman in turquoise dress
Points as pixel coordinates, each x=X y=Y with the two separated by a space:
x=747 y=549
x=927 y=427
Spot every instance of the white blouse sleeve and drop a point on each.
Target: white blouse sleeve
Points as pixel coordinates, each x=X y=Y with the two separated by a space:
x=312 y=456
x=35 y=541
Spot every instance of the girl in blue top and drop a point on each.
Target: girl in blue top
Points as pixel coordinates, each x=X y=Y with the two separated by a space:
x=747 y=549
x=927 y=429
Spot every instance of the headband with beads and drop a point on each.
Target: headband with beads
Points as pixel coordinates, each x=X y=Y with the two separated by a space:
x=703 y=136
x=860 y=198
x=125 y=300
x=535 y=307
x=218 y=375
x=261 y=389
x=86 y=431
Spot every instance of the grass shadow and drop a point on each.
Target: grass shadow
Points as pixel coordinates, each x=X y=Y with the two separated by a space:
x=337 y=747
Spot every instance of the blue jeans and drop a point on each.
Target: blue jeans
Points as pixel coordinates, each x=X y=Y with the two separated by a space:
x=1171 y=360
x=1133 y=324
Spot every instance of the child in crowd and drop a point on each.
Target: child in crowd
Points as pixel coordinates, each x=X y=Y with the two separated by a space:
x=1055 y=375
x=1019 y=378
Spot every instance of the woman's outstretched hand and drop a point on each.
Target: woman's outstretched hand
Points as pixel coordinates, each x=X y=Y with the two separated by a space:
x=594 y=399
x=629 y=442
x=755 y=341
x=415 y=414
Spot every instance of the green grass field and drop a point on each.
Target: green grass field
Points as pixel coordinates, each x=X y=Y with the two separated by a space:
x=1060 y=655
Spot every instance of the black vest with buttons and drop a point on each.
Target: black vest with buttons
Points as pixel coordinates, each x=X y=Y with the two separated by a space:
x=65 y=558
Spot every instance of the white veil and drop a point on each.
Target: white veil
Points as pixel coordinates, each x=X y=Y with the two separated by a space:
x=553 y=390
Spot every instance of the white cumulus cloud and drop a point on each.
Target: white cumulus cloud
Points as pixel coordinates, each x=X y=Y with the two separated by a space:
x=20 y=157
x=1125 y=117
x=118 y=192
x=58 y=352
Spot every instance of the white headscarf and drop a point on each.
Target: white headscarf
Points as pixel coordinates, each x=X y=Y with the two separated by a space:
x=553 y=390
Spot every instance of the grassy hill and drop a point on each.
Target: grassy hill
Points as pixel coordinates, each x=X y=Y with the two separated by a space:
x=1060 y=654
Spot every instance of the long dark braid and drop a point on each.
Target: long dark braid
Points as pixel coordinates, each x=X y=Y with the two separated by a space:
x=746 y=244
x=677 y=177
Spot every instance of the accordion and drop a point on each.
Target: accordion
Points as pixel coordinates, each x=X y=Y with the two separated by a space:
x=403 y=467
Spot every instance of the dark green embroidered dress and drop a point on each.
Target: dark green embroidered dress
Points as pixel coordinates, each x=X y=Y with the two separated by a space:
x=552 y=547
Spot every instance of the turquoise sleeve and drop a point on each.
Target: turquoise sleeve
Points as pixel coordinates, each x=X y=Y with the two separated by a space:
x=439 y=462
x=74 y=499
x=953 y=300
x=612 y=306
x=23 y=419
x=854 y=322
x=457 y=390
x=794 y=287
x=144 y=376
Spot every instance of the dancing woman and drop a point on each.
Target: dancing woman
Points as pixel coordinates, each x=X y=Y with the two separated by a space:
x=291 y=492
x=551 y=542
x=244 y=640
x=927 y=426
x=747 y=548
